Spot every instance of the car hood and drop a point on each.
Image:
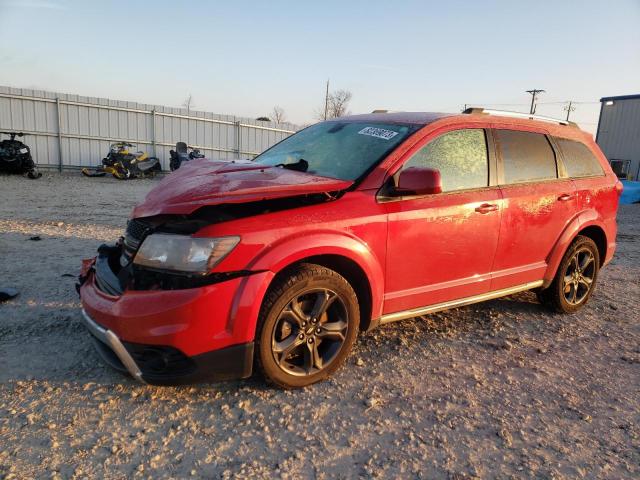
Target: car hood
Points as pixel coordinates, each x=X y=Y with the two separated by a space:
x=204 y=182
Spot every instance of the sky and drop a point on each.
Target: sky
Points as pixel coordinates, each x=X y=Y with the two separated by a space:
x=244 y=57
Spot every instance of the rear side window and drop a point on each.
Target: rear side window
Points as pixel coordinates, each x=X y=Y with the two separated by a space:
x=460 y=156
x=578 y=159
x=526 y=156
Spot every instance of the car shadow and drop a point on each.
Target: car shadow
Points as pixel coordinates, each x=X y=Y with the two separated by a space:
x=61 y=350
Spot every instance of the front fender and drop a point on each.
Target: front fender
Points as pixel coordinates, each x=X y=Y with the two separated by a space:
x=581 y=221
x=274 y=258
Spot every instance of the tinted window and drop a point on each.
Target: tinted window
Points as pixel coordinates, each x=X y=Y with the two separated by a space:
x=526 y=156
x=578 y=159
x=461 y=157
x=344 y=150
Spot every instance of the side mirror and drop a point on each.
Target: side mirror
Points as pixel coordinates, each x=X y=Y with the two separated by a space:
x=419 y=181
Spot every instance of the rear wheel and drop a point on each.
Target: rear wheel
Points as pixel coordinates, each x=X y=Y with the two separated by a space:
x=308 y=324
x=575 y=279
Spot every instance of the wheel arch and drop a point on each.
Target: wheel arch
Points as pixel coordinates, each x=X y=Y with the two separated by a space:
x=598 y=235
x=353 y=273
x=348 y=256
x=587 y=223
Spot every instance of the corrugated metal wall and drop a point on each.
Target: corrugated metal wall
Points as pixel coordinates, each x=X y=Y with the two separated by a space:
x=73 y=131
x=619 y=132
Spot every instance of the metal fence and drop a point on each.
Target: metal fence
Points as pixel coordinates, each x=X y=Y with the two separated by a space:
x=70 y=131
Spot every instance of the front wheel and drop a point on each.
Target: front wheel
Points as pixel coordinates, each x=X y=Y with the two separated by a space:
x=308 y=323
x=575 y=279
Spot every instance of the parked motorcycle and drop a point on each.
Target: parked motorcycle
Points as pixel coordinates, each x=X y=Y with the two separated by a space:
x=181 y=154
x=15 y=156
x=124 y=164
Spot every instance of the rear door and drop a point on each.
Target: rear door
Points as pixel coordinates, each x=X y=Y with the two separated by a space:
x=440 y=247
x=595 y=191
x=537 y=206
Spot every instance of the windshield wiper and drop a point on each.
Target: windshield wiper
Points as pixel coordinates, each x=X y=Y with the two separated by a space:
x=300 y=166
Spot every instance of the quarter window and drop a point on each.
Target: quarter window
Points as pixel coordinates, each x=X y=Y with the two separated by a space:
x=578 y=159
x=526 y=156
x=460 y=156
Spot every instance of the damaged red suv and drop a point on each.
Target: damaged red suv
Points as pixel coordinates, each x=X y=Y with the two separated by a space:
x=279 y=262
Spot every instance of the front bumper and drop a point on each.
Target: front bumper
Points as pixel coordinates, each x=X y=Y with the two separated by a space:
x=158 y=365
x=111 y=340
x=177 y=336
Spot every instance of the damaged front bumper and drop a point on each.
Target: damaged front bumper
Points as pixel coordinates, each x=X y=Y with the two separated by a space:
x=159 y=336
x=164 y=365
x=111 y=340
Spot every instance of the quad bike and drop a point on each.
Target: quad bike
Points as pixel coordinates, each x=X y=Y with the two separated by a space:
x=15 y=157
x=123 y=164
x=180 y=155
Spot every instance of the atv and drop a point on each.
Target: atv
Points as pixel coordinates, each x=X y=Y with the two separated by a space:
x=123 y=164
x=15 y=156
x=181 y=154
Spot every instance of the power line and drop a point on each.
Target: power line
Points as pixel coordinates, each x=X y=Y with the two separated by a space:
x=559 y=102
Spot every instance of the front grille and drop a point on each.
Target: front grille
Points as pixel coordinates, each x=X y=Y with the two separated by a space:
x=137 y=230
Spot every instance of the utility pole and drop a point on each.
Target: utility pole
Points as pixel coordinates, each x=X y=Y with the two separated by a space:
x=326 y=101
x=569 y=108
x=533 y=93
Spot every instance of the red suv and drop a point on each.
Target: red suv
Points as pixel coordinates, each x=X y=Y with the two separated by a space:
x=351 y=223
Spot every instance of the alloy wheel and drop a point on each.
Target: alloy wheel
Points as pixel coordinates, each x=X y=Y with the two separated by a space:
x=579 y=276
x=309 y=332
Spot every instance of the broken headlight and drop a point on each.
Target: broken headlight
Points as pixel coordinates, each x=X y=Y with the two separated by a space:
x=182 y=253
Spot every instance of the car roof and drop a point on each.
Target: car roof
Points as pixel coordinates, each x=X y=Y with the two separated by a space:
x=409 y=118
x=482 y=120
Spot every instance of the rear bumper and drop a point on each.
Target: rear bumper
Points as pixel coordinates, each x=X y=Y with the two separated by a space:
x=162 y=365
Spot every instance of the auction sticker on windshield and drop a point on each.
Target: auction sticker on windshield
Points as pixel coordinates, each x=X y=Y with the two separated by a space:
x=378 y=133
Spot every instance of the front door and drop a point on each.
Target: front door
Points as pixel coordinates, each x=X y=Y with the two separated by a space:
x=441 y=247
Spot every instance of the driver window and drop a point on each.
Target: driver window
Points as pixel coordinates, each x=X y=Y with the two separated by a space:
x=460 y=155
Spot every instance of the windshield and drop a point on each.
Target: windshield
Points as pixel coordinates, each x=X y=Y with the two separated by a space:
x=343 y=150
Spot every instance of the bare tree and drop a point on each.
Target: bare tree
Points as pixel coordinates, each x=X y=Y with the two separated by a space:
x=337 y=105
x=278 y=114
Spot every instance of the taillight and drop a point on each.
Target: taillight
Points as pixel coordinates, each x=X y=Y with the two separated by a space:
x=619 y=187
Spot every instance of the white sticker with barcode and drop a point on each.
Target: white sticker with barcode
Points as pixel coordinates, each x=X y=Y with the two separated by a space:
x=378 y=133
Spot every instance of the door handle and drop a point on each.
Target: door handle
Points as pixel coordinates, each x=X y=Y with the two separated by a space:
x=565 y=197
x=486 y=208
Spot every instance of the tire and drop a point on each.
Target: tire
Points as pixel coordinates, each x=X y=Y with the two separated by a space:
x=308 y=323
x=571 y=288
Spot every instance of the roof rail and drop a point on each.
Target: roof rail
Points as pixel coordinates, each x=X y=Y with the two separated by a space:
x=505 y=113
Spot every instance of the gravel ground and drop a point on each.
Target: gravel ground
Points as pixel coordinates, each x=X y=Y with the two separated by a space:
x=497 y=390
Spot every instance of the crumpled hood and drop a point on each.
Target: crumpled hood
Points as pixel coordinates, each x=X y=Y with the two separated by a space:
x=204 y=182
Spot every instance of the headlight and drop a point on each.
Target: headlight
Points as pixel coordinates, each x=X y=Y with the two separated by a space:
x=183 y=253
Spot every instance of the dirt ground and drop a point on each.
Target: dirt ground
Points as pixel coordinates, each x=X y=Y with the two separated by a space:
x=502 y=389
